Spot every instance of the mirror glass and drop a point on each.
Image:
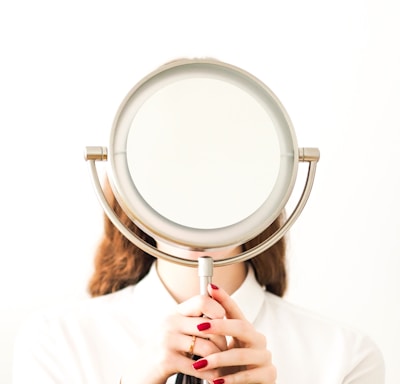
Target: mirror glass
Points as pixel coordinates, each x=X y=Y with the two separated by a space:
x=208 y=152
x=203 y=155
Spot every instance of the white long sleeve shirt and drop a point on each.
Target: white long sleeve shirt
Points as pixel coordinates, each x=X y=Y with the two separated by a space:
x=93 y=340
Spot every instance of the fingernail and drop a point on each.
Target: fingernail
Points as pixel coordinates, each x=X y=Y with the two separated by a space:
x=213 y=286
x=204 y=326
x=200 y=364
x=218 y=381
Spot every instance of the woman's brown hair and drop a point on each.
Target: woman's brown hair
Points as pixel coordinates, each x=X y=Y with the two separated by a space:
x=119 y=263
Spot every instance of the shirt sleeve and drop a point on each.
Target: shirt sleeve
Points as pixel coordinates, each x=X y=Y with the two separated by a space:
x=368 y=365
x=35 y=358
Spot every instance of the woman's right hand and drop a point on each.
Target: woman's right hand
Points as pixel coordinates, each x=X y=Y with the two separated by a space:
x=167 y=349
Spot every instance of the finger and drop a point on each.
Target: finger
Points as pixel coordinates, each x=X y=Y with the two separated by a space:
x=237 y=357
x=240 y=366
x=174 y=352
x=263 y=375
x=201 y=305
x=177 y=330
x=204 y=347
x=241 y=330
x=231 y=308
x=194 y=345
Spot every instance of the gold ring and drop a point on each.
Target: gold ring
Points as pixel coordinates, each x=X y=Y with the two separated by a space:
x=191 y=348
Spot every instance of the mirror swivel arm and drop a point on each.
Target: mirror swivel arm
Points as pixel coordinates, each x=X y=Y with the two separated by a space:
x=310 y=155
x=93 y=154
x=96 y=153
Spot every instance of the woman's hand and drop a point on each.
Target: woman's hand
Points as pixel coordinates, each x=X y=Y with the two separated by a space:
x=246 y=359
x=200 y=327
x=170 y=348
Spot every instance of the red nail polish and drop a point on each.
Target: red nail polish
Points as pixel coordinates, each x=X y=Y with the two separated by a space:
x=218 y=381
x=203 y=326
x=213 y=286
x=200 y=364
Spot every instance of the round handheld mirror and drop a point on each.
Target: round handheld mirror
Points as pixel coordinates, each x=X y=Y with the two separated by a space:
x=203 y=156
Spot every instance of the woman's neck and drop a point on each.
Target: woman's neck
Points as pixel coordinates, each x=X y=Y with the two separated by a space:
x=183 y=282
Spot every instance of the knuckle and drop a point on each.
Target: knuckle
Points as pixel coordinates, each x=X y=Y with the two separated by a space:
x=272 y=373
x=262 y=340
x=202 y=300
x=268 y=355
x=165 y=341
x=241 y=354
x=246 y=376
x=168 y=322
x=208 y=350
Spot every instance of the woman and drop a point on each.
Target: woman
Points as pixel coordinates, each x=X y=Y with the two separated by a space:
x=146 y=323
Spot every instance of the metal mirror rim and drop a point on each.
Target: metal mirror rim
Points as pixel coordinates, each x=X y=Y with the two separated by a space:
x=183 y=236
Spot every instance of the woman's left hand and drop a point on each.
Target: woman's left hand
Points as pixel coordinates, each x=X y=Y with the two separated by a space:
x=247 y=359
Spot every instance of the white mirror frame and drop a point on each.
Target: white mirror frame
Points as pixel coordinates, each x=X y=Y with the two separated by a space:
x=167 y=120
x=186 y=236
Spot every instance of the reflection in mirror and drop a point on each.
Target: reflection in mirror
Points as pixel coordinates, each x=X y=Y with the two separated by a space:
x=212 y=154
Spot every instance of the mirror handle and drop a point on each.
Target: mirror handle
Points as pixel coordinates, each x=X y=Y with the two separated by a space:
x=205 y=273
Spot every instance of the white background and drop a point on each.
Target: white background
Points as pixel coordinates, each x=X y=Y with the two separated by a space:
x=335 y=65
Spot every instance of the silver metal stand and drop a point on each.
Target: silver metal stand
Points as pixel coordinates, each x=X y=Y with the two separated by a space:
x=310 y=155
x=205 y=272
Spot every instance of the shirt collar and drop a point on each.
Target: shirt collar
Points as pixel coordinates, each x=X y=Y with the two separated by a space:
x=150 y=294
x=249 y=296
